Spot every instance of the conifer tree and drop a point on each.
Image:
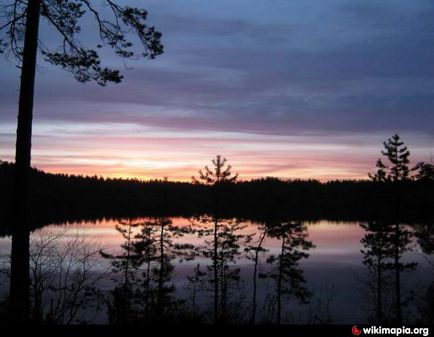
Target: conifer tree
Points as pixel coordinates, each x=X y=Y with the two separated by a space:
x=286 y=271
x=19 y=38
x=397 y=155
x=216 y=177
x=425 y=171
x=396 y=172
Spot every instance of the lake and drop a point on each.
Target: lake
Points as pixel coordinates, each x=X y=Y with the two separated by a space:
x=296 y=272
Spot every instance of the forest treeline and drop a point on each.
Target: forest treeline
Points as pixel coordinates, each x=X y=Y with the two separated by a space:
x=62 y=197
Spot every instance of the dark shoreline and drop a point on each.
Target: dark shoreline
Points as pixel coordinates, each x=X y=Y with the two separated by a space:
x=57 y=198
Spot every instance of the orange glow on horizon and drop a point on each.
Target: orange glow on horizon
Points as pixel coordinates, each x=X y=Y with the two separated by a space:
x=129 y=151
x=185 y=175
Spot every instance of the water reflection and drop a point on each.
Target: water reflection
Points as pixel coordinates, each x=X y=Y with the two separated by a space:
x=254 y=252
x=222 y=242
x=385 y=246
x=210 y=269
x=286 y=272
x=144 y=291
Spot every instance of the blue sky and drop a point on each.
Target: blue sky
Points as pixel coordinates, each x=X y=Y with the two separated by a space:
x=306 y=88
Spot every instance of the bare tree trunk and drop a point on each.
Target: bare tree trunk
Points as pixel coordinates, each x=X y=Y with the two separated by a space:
x=255 y=275
x=397 y=252
x=215 y=266
x=162 y=269
x=127 y=299
x=223 y=290
x=279 y=283
x=19 y=302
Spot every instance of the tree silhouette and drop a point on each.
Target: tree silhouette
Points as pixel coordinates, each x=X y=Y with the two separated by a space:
x=165 y=251
x=425 y=171
x=377 y=254
x=219 y=175
x=223 y=249
x=397 y=155
x=286 y=270
x=230 y=239
x=253 y=253
x=401 y=238
x=19 y=26
x=63 y=281
x=165 y=268
x=127 y=265
x=195 y=284
x=62 y=197
x=147 y=247
x=396 y=173
x=145 y=292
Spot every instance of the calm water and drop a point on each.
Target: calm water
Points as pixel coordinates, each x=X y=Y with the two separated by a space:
x=332 y=271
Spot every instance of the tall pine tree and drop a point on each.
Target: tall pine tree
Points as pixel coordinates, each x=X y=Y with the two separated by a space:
x=19 y=37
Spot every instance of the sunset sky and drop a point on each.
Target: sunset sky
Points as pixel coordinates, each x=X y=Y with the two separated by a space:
x=295 y=89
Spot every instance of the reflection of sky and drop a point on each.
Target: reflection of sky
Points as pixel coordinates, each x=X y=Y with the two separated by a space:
x=335 y=243
x=305 y=88
x=334 y=266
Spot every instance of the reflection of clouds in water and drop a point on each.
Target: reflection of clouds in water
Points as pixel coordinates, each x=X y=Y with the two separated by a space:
x=335 y=261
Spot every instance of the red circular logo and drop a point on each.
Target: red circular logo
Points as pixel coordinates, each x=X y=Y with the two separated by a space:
x=356 y=331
